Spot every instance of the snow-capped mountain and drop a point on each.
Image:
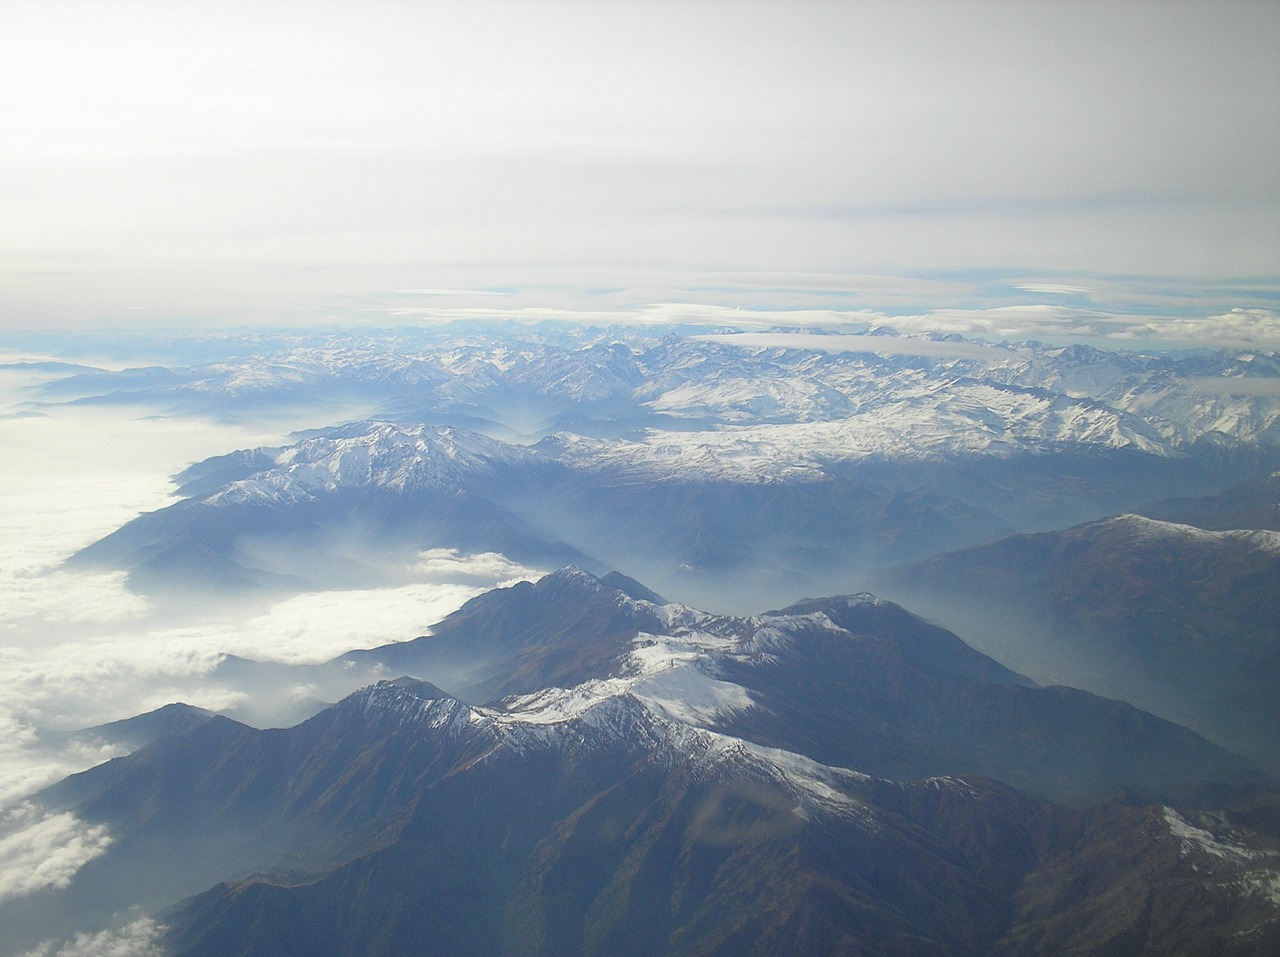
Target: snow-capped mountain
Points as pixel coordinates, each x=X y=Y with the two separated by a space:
x=692 y=460
x=701 y=464
x=521 y=383
x=817 y=675
x=376 y=455
x=674 y=790
x=335 y=510
x=794 y=508
x=941 y=423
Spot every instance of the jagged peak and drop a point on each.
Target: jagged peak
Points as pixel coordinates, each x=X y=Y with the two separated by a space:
x=375 y=453
x=627 y=589
x=403 y=686
x=377 y=434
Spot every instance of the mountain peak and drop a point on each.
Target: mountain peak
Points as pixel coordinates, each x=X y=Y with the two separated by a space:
x=570 y=574
x=417 y=687
x=406 y=701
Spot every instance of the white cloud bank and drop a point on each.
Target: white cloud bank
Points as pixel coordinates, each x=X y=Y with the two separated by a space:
x=885 y=345
x=1237 y=329
x=1249 y=328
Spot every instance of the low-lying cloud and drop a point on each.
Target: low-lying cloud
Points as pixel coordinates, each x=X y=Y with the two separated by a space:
x=883 y=345
x=73 y=675
x=1103 y=321
x=79 y=648
x=57 y=597
x=140 y=937
x=27 y=765
x=317 y=626
x=39 y=850
x=1237 y=329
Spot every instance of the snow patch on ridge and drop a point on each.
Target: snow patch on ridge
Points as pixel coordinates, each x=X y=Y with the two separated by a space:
x=374 y=454
x=1254 y=872
x=816 y=786
x=1198 y=838
x=677 y=676
x=1153 y=530
x=674 y=676
x=577 y=717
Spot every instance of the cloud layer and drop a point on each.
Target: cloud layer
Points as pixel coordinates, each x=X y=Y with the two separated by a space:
x=648 y=148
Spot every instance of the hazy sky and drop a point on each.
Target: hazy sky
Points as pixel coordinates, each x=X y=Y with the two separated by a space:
x=290 y=161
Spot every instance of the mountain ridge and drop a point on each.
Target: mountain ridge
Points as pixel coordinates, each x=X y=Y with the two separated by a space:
x=672 y=781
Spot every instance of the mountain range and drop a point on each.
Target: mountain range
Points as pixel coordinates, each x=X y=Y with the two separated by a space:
x=369 y=496
x=611 y=773
x=606 y=383
x=708 y=469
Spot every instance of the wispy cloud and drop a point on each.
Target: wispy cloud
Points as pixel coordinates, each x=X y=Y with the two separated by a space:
x=1053 y=321
x=1240 y=328
x=139 y=937
x=1054 y=288
x=1250 y=328
x=450 y=565
x=451 y=292
x=39 y=850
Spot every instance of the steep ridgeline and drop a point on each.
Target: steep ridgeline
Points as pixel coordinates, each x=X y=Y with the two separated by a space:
x=651 y=779
x=1180 y=620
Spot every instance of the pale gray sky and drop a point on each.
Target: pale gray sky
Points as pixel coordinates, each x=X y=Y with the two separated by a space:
x=290 y=161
